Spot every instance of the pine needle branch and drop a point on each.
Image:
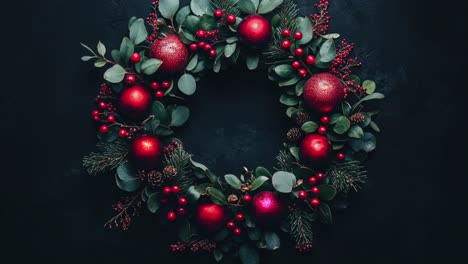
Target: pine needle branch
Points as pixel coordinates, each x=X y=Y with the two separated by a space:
x=284 y=161
x=108 y=157
x=180 y=159
x=300 y=222
x=229 y=6
x=348 y=176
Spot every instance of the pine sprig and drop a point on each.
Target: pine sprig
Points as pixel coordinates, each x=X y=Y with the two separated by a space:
x=180 y=159
x=108 y=157
x=348 y=176
x=300 y=222
x=284 y=161
x=229 y=6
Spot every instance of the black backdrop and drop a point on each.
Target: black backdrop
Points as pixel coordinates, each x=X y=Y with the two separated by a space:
x=412 y=210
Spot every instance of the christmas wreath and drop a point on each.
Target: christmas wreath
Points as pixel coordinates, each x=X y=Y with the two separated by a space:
x=141 y=104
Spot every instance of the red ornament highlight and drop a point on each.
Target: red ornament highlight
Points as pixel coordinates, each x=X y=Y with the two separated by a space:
x=211 y=217
x=315 y=149
x=135 y=102
x=323 y=91
x=255 y=30
x=172 y=52
x=147 y=152
x=267 y=209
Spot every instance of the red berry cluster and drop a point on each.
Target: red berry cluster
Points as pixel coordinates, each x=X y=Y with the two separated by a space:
x=152 y=20
x=173 y=146
x=194 y=246
x=305 y=247
x=321 y=20
x=207 y=38
x=239 y=218
x=314 y=190
x=298 y=52
x=126 y=211
x=342 y=66
x=159 y=87
x=104 y=92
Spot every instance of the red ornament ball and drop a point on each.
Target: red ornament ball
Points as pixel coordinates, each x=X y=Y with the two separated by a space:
x=181 y=211
x=231 y=19
x=255 y=30
x=135 y=58
x=175 y=189
x=182 y=201
x=193 y=47
x=320 y=176
x=315 y=148
x=172 y=52
x=341 y=156
x=135 y=102
x=171 y=216
x=322 y=130
x=313 y=180
x=325 y=120
x=211 y=217
x=267 y=209
x=146 y=151
x=154 y=85
x=240 y=217
x=167 y=191
x=299 y=52
x=230 y=224
x=323 y=91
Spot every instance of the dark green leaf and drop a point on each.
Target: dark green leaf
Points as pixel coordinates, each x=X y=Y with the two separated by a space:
x=284 y=70
x=168 y=8
x=289 y=82
x=367 y=143
x=233 y=181
x=138 y=32
x=179 y=116
x=252 y=61
x=150 y=66
x=271 y=241
x=374 y=96
x=258 y=182
x=126 y=49
x=232 y=40
x=325 y=213
x=289 y=100
x=327 y=51
x=192 y=23
x=216 y=196
x=346 y=108
x=342 y=125
x=126 y=178
x=182 y=15
x=356 y=132
x=254 y=234
x=267 y=6
x=327 y=192
x=261 y=171
x=187 y=84
x=217 y=254
x=159 y=111
x=246 y=6
x=295 y=152
x=185 y=231
x=309 y=127
x=153 y=203
x=374 y=126
x=200 y=7
x=283 y=181
x=300 y=88
x=208 y=22
x=116 y=56
x=248 y=254
x=163 y=131
x=115 y=74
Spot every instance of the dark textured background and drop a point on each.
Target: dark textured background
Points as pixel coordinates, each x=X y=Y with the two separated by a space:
x=412 y=210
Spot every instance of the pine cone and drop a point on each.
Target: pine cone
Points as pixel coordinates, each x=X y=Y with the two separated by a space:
x=302 y=117
x=294 y=134
x=357 y=119
x=170 y=171
x=154 y=178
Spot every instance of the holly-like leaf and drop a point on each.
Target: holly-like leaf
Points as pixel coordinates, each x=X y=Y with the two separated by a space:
x=180 y=115
x=246 y=6
x=187 y=84
x=304 y=25
x=342 y=125
x=283 y=181
x=216 y=196
x=150 y=66
x=201 y=7
x=138 y=32
x=266 y=6
x=168 y=8
x=248 y=254
x=309 y=127
x=258 y=182
x=101 y=49
x=115 y=74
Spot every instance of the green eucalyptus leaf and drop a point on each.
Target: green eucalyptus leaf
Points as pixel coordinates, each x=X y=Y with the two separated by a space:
x=217 y=254
x=370 y=86
x=88 y=48
x=325 y=213
x=138 y=32
x=366 y=143
x=246 y=6
x=232 y=40
x=327 y=52
x=300 y=88
x=182 y=15
x=283 y=181
x=356 y=132
x=192 y=63
x=208 y=22
x=270 y=241
x=284 y=70
x=252 y=61
x=153 y=203
x=342 y=125
x=126 y=178
x=327 y=192
x=116 y=56
x=374 y=96
x=201 y=7
x=100 y=63
x=87 y=58
x=304 y=25
x=131 y=21
x=185 y=231
x=180 y=116
x=289 y=100
x=254 y=234
x=309 y=127
x=216 y=196
x=159 y=111
x=346 y=108
x=168 y=8
x=115 y=74
x=187 y=84
x=192 y=23
x=261 y=171
x=295 y=152
x=150 y=66
x=233 y=181
x=374 y=126
x=230 y=49
x=266 y=6
x=289 y=82
x=101 y=49
x=258 y=182
x=126 y=49
x=248 y=254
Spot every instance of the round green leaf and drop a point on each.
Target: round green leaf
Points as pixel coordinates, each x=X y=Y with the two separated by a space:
x=283 y=181
x=289 y=100
x=342 y=125
x=187 y=84
x=252 y=61
x=270 y=241
x=367 y=143
x=246 y=6
x=267 y=6
x=304 y=25
x=115 y=74
x=182 y=15
x=370 y=86
x=248 y=254
x=258 y=182
x=284 y=70
x=168 y=8
x=193 y=63
x=230 y=49
x=309 y=127
x=101 y=49
x=150 y=66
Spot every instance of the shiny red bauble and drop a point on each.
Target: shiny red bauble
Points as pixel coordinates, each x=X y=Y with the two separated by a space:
x=286 y=44
x=310 y=60
x=322 y=130
x=298 y=35
x=172 y=52
x=211 y=217
x=320 y=176
x=134 y=102
x=323 y=91
x=286 y=33
x=325 y=120
x=218 y=13
x=146 y=151
x=130 y=79
x=299 y=52
x=255 y=31
x=167 y=191
x=267 y=209
x=239 y=217
x=296 y=64
x=230 y=224
x=315 y=148
x=175 y=189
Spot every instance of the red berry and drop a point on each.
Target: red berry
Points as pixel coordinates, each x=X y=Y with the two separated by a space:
x=130 y=79
x=181 y=211
x=320 y=176
x=240 y=217
x=313 y=180
x=296 y=64
x=286 y=33
x=95 y=113
x=104 y=129
x=167 y=191
x=341 y=156
x=154 y=85
x=325 y=120
x=315 y=190
x=298 y=35
x=163 y=201
x=193 y=47
x=207 y=47
x=302 y=73
x=111 y=119
x=322 y=130
x=96 y=118
x=231 y=19
x=315 y=202
x=175 y=189
x=299 y=52
x=135 y=58
x=201 y=33
x=218 y=13
x=230 y=224
x=166 y=84
x=201 y=44
x=159 y=94
x=247 y=198
x=182 y=201
x=237 y=231
x=310 y=60
x=123 y=133
x=213 y=53
x=286 y=44
x=171 y=216
x=102 y=105
x=302 y=195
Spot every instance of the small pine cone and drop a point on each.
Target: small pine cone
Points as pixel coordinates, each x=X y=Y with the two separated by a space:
x=154 y=178
x=302 y=117
x=170 y=171
x=233 y=198
x=357 y=119
x=294 y=134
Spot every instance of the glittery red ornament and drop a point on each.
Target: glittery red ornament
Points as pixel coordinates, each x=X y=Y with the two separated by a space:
x=267 y=209
x=146 y=151
x=315 y=149
x=323 y=92
x=172 y=52
x=255 y=31
x=211 y=217
x=135 y=102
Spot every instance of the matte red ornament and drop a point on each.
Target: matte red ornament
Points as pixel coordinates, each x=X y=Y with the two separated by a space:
x=255 y=31
x=267 y=209
x=135 y=102
x=315 y=148
x=211 y=217
x=146 y=151
x=323 y=91
x=172 y=52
